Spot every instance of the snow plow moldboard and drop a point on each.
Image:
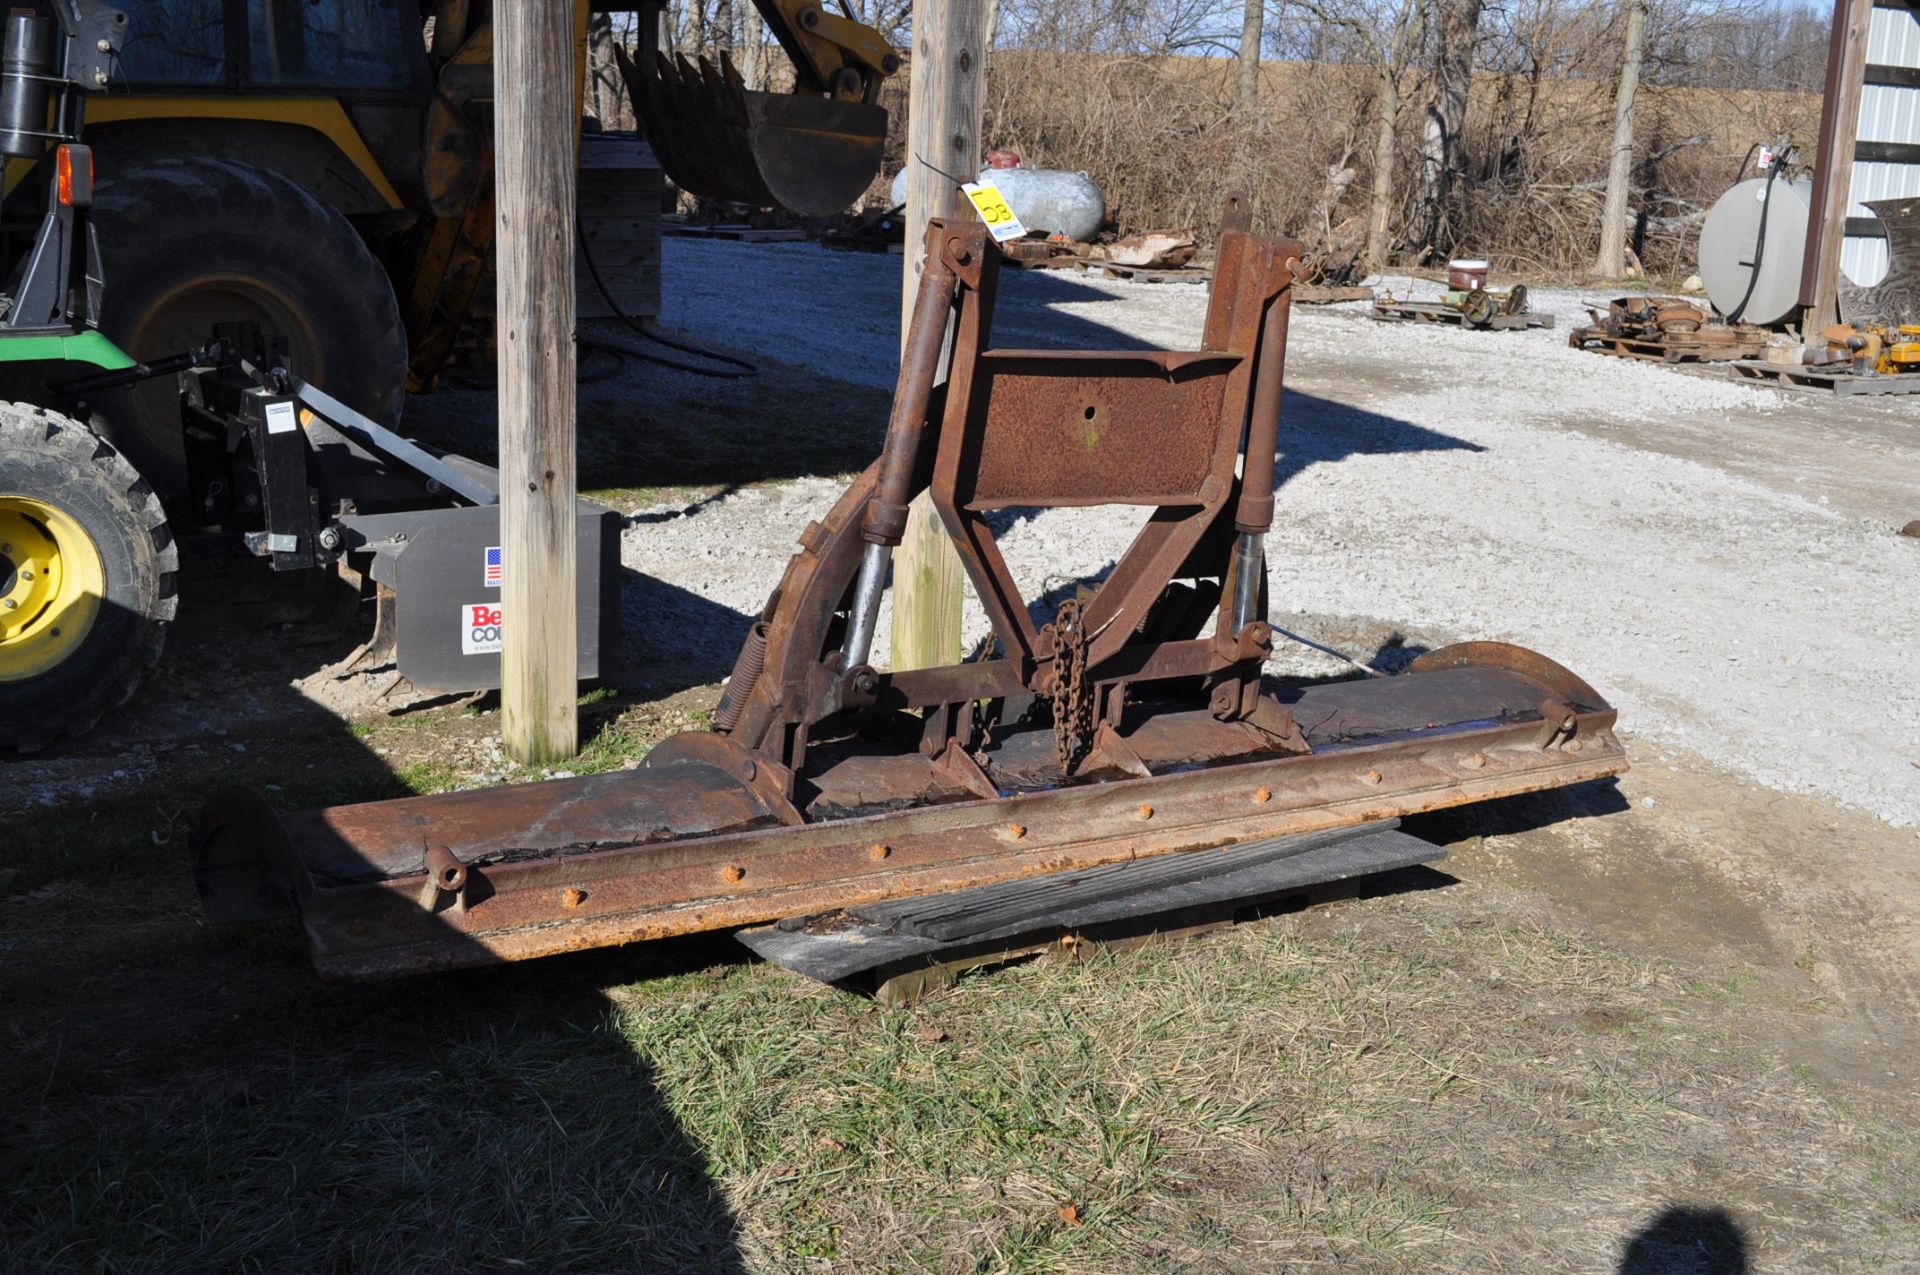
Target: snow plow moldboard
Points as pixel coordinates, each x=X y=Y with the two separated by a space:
x=684 y=844
x=1132 y=723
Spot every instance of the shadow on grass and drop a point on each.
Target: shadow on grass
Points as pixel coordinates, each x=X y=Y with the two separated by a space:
x=1510 y=816
x=174 y=1097
x=476 y=1122
x=1687 y=1241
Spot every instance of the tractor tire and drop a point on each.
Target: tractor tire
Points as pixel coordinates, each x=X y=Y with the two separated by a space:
x=87 y=577
x=186 y=244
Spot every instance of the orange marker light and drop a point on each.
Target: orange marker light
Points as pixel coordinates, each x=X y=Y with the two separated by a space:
x=73 y=167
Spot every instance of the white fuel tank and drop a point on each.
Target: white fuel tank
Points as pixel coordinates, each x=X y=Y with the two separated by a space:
x=1049 y=199
x=1728 y=240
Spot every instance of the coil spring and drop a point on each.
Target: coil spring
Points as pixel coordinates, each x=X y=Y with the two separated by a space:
x=746 y=674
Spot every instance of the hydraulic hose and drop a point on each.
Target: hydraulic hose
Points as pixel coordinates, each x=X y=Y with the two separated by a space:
x=1760 y=240
x=731 y=369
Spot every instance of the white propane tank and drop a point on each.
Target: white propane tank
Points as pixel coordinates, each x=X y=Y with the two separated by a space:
x=1049 y=199
x=1727 y=242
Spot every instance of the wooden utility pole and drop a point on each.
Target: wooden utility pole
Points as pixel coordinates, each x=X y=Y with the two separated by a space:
x=1833 y=171
x=1610 y=261
x=946 y=88
x=534 y=202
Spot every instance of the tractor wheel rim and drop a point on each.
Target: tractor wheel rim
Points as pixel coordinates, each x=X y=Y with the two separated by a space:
x=51 y=585
x=184 y=316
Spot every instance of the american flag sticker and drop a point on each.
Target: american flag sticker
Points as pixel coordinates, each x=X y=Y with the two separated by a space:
x=493 y=567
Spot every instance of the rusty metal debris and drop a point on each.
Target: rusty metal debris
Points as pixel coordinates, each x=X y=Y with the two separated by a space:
x=833 y=783
x=1895 y=299
x=1868 y=349
x=1154 y=250
x=1666 y=329
x=1467 y=302
x=1329 y=277
x=1149 y=254
x=1860 y=357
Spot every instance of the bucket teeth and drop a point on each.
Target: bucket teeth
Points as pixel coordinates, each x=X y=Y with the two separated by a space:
x=717 y=138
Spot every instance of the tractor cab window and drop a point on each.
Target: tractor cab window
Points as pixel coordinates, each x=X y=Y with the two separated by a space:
x=360 y=44
x=172 y=42
x=331 y=44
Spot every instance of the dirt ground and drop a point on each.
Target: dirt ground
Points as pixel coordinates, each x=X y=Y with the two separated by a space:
x=1663 y=1024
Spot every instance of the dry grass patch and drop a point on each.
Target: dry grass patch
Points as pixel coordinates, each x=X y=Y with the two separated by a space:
x=1451 y=1079
x=1386 y=1096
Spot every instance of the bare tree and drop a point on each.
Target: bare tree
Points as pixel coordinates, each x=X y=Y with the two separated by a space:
x=1251 y=21
x=1440 y=157
x=1384 y=35
x=1610 y=261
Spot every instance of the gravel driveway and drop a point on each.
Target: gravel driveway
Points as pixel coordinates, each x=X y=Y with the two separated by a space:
x=1720 y=560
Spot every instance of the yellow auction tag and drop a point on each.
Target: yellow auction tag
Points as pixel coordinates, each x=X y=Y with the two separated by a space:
x=1002 y=224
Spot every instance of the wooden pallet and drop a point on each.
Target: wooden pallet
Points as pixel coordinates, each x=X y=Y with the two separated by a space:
x=904 y=949
x=1140 y=274
x=1799 y=377
x=1672 y=349
x=1327 y=294
x=1434 y=312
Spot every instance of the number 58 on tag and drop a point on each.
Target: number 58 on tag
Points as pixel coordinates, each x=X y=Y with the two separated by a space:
x=994 y=210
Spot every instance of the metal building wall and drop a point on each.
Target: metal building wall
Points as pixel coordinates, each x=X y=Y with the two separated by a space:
x=1887 y=157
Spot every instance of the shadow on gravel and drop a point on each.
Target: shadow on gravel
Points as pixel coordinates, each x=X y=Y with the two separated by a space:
x=674 y=638
x=1319 y=431
x=1687 y=1241
x=648 y=427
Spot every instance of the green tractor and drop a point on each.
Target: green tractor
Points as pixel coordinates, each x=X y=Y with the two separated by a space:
x=87 y=561
x=268 y=463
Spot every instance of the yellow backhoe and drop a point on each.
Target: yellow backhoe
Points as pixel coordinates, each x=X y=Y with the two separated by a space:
x=315 y=179
x=323 y=168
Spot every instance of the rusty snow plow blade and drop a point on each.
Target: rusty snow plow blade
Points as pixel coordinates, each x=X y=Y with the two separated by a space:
x=1132 y=723
x=812 y=151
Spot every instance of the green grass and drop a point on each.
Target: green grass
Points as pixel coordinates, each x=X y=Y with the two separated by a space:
x=1381 y=1093
x=1444 y=1079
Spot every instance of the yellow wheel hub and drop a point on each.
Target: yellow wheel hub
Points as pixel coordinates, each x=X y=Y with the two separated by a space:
x=51 y=583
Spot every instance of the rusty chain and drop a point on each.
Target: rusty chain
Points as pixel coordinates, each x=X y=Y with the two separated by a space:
x=1072 y=702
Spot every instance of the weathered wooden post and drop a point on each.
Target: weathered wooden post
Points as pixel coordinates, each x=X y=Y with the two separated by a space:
x=946 y=90
x=534 y=201
x=1833 y=174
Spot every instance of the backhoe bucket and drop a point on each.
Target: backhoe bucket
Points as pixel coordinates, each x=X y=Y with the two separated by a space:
x=1134 y=723
x=715 y=137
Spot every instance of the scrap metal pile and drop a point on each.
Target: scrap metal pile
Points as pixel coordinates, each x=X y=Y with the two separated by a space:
x=1467 y=302
x=1126 y=722
x=1865 y=348
x=1331 y=277
x=1668 y=329
x=1862 y=357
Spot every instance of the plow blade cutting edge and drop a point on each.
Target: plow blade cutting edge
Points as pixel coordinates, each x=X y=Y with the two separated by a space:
x=1133 y=723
